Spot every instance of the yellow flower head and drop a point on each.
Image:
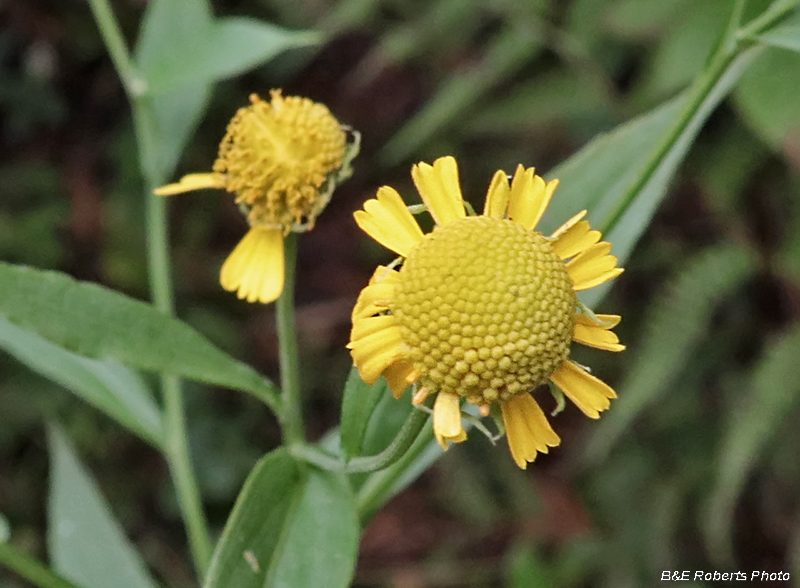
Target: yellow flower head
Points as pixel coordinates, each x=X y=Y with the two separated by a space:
x=282 y=159
x=483 y=307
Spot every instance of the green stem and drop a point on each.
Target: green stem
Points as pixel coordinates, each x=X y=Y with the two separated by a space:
x=288 y=354
x=776 y=11
x=115 y=43
x=727 y=51
x=376 y=489
x=396 y=450
x=32 y=570
x=177 y=445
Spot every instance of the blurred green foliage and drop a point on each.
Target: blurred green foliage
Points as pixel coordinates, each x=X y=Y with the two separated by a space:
x=695 y=465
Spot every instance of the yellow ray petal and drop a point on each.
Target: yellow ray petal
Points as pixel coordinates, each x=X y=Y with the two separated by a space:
x=568 y=225
x=529 y=197
x=593 y=266
x=595 y=334
x=608 y=321
x=254 y=269
x=388 y=221
x=373 y=299
x=190 y=183
x=575 y=240
x=374 y=345
x=400 y=375
x=497 y=196
x=527 y=429
x=589 y=394
x=447 y=419
x=439 y=188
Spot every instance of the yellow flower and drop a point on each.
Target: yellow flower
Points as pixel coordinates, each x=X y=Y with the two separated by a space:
x=483 y=307
x=282 y=159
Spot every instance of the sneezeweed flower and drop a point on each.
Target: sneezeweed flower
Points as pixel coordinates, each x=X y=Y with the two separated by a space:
x=483 y=308
x=282 y=160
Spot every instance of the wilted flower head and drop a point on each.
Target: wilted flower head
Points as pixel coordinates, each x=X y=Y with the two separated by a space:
x=483 y=307
x=282 y=160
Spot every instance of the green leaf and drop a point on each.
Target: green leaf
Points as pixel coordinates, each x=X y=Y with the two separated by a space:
x=768 y=98
x=678 y=322
x=785 y=36
x=773 y=395
x=596 y=177
x=289 y=528
x=99 y=323
x=118 y=391
x=182 y=50
x=359 y=402
x=85 y=542
x=181 y=44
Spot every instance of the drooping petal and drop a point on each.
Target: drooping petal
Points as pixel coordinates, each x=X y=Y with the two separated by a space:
x=447 y=419
x=589 y=394
x=575 y=240
x=190 y=183
x=527 y=429
x=388 y=221
x=497 y=196
x=254 y=269
x=598 y=335
x=439 y=188
x=374 y=345
x=400 y=375
x=593 y=266
x=529 y=197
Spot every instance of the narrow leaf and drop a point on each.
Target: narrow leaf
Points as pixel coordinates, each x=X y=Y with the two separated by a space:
x=358 y=404
x=597 y=176
x=99 y=323
x=86 y=543
x=118 y=391
x=773 y=394
x=289 y=528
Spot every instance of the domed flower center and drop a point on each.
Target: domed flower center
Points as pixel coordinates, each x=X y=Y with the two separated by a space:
x=485 y=308
x=277 y=156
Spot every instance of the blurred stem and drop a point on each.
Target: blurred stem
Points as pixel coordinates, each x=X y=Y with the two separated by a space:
x=288 y=355
x=177 y=444
x=32 y=570
x=727 y=51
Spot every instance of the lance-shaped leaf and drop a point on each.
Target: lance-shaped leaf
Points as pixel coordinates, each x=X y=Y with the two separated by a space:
x=85 y=542
x=115 y=389
x=96 y=322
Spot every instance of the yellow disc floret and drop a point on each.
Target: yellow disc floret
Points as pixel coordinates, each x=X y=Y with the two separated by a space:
x=277 y=156
x=485 y=309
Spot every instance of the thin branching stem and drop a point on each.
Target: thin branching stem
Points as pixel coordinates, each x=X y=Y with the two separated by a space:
x=177 y=444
